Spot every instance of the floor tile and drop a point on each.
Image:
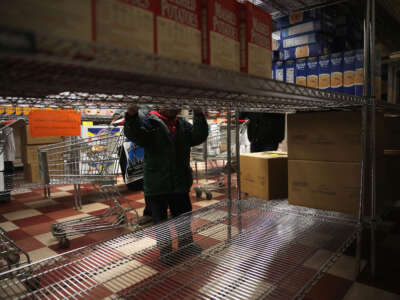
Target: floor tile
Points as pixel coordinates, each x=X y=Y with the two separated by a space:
x=66 y=188
x=19 y=192
x=20 y=214
x=8 y=226
x=76 y=241
x=360 y=291
x=47 y=239
x=219 y=232
x=41 y=203
x=69 y=212
x=41 y=253
x=344 y=267
x=17 y=235
x=73 y=217
x=60 y=194
x=329 y=287
x=33 y=221
x=30 y=244
x=38 y=228
x=87 y=208
x=205 y=203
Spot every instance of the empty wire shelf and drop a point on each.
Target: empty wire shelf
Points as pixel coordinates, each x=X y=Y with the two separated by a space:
x=255 y=250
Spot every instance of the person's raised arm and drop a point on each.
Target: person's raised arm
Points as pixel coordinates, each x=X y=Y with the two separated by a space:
x=199 y=132
x=134 y=128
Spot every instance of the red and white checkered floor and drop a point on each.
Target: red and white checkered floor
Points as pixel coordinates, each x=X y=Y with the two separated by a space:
x=27 y=219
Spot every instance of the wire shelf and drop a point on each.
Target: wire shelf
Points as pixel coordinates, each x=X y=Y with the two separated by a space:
x=124 y=75
x=260 y=255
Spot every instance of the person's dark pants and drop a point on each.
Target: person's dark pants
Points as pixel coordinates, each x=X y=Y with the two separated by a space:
x=5 y=196
x=147 y=208
x=178 y=205
x=261 y=148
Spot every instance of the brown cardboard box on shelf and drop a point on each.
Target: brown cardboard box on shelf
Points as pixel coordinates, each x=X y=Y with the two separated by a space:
x=30 y=154
x=27 y=139
x=329 y=136
x=31 y=173
x=392 y=133
x=264 y=174
x=333 y=186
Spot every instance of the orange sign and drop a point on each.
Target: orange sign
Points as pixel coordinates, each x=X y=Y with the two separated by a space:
x=54 y=123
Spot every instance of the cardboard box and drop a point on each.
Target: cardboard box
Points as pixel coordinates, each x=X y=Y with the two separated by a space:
x=290 y=66
x=27 y=139
x=311 y=26
x=127 y=24
x=302 y=17
x=255 y=40
x=221 y=44
x=64 y=19
x=304 y=51
x=178 y=30
x=324 y=77
x=359 y=73
x=301 y=72
x=312 y=72
x=30 y=154
x=325 y=185
x=305 y=39
x=279 y=71
x=329 y=136
x=337 y=72
x=392 y=133
x=349 y=60
x=264 y=175
x=31 y=173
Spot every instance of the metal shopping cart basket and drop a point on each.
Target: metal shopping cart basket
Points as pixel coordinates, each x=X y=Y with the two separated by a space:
x=212 y=157
x=93 y=160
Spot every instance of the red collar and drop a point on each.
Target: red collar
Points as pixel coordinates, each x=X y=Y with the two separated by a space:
x=171 y=124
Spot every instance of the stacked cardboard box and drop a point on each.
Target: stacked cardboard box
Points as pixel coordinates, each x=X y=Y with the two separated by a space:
x=324 y=152
x=264 y=174
x=30 y=146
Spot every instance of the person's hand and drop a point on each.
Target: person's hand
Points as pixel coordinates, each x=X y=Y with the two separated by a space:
x=132 y=109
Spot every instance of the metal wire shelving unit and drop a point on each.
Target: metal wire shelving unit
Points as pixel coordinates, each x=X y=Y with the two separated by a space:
x=82 y=72
x=260 y=251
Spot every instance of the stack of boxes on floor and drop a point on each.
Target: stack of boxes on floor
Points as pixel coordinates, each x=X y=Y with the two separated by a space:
x=324 y=152
x=314 y=51
x=30 y=159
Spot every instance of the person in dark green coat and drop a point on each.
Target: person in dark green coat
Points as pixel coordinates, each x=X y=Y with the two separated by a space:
x=167 y=140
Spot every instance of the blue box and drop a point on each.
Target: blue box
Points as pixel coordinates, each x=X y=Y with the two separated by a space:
x=303 y=17
x=337 y=72
x=301 y=72
x=359 y=73
x=349 y=59
x=316 y=49
x=280 y=71
x=308 y=27
x=290 y=66
x=324 y=76
x=312 y=72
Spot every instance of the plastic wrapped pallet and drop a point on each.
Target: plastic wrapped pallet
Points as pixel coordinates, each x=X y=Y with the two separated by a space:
x=255 y=40
x=179 y=30
x=221 y=46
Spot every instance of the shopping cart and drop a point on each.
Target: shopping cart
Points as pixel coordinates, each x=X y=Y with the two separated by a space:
x=95 y=161
x=212 y=157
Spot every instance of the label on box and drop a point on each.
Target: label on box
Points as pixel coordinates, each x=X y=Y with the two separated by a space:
x=300 y=40
x=18 y=110
x=336 y=79
x=2 y=110
x=303 y=51
x=359 y=77
x=62 y=18
x=312 y=81
x=324 y=72
x=312 y=72
x=348 y=79
x=10 y=110
x=279 y=71
x=289 y=69
x=301 y=72
x=296 y=18
x=324 y=81
x=302 y=28
x=126 y=23
x=178 y=30
x=259 y=60
x=337 y=71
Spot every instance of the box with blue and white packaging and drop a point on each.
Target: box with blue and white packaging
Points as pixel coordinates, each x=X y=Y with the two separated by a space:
x=304 y=39
x=290 y=66
x=359 y=73
x=316 y=49
x=301 y=72
x=349 y=59
x=312 y=72
x=324 y=74
x=337 y=72
x=308 y=27
x=280 y=71
x=303 y=17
